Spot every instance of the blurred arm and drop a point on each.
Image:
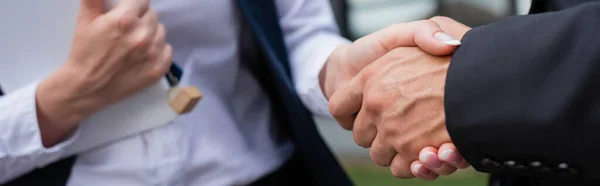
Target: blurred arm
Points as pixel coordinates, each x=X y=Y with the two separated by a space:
x=21 y=147
x=527 y=89
x=311 y=35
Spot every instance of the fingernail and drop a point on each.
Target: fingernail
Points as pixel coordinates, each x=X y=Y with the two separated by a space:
x=421 y=171
x=446 y=39
x=452 y=157
x=431 y=160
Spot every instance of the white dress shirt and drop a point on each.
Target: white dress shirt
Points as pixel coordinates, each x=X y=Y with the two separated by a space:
x=226 y=140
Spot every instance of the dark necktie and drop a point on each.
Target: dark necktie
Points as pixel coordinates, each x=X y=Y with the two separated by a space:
x=273 y=73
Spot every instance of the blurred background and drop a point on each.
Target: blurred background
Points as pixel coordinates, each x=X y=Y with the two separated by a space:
x=357 y=18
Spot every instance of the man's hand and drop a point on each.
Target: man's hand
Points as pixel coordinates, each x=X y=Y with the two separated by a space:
x=347 y=60
x=402 y=108
x=396 y=108
x=114 y=55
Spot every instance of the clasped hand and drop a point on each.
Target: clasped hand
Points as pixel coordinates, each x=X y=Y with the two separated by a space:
x=392 y=96
x=115 y=53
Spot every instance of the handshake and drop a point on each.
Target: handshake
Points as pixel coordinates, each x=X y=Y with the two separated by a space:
x=388 y=88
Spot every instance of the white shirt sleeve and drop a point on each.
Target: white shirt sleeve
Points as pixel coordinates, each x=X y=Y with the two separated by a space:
x=21 y=148
x=311 y=34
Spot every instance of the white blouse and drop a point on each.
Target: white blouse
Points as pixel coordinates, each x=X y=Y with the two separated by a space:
x=226 y=140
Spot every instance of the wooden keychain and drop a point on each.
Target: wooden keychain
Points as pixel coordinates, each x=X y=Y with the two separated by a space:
x=181 y=99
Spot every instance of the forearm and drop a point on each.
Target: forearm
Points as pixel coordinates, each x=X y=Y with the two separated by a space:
x=525 y=89
x=59 y=110
x=311 y=35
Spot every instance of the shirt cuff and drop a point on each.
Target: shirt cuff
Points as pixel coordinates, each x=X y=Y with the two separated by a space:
x=308 y=86
x=22 y=140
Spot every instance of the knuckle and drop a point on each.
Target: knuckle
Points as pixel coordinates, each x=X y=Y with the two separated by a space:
x=153 y=16
x=142 y=41
x=405 y=151
x=106 y=27
x=168 y=54
x=344 y=123
x=346 y=126
x=400 y=172
x=161 y=32
x=157 y=72
x=152 y=54
x=373 y=102
x=146 y=3
x=123 y=22
x=396 y=173
x=375 y=156
x=333 y=106
x=427 y=22
x=163 y=69
x=360 y=141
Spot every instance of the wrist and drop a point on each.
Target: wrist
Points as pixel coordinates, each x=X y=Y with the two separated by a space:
x=330 y=76
x=59 y=109
x=57 y=106
x=65 y=91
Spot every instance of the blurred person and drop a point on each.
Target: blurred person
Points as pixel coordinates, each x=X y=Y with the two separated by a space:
x=259 y=63
x=519 y=99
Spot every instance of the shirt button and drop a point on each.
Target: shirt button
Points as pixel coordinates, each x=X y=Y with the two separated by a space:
x=563 y=166
x=510 y=163
x=535 y=164
x=491 y=165
x=539 y=167
x=514 y=166
x=566 y=170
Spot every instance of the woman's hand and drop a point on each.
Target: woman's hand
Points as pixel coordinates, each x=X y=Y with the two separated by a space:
x=434 y=162
x=114 y=55
x=446 y=159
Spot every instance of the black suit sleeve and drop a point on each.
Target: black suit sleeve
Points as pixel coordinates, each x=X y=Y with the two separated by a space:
x=523 y=94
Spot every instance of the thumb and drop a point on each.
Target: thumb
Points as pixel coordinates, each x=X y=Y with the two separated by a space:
x=450 y=26
x=429 y=36
x=91 y=9
x=425 y=34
